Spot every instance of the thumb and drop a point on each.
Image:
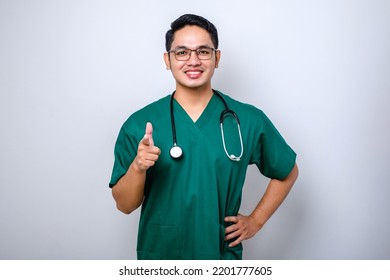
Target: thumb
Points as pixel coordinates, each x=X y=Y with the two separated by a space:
x=148 y=138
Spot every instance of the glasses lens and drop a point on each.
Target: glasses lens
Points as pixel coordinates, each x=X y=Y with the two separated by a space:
x=182 y=54
x=204 y=53
x=185 y=54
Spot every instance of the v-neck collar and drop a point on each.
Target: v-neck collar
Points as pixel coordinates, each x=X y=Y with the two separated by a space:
x=205 y=116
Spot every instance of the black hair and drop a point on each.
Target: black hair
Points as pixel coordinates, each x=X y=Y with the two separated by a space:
x=190 y=19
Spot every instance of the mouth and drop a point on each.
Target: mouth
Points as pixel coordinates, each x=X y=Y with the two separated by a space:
x=193 y=74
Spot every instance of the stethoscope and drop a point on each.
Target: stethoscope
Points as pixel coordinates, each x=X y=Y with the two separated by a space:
x=176 y=152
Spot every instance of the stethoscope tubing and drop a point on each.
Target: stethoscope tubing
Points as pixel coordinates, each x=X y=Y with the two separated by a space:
x=176 y=152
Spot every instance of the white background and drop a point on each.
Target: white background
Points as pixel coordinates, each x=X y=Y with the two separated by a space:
x=71 y=72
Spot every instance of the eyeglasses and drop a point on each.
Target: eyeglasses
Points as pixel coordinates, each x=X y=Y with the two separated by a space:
x=183 y=54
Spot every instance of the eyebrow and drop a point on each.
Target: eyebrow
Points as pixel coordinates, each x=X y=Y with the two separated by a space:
x=198 y=47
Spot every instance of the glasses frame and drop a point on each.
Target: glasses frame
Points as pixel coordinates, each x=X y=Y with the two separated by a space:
x=196 y=51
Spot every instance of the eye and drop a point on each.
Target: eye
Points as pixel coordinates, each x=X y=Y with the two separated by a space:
x=181 y=52
x=204 y=51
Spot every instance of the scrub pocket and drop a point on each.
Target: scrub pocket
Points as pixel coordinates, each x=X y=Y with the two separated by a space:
x=159 y=242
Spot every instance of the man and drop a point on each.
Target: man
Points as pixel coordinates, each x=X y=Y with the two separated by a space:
x=190 y=199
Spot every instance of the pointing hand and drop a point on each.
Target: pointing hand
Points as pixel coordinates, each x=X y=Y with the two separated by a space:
x=147 y=154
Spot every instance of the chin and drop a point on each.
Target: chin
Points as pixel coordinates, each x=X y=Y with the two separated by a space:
x=195 y=84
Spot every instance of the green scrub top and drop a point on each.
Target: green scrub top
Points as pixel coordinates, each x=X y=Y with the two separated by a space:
x=187 y=199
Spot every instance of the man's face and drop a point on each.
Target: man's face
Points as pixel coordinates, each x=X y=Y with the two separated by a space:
x=192 y=73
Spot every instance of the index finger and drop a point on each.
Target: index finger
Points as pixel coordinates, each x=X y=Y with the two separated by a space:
x=148 y=138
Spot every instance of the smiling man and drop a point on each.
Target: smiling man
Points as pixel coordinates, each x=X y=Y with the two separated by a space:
x=184 y=158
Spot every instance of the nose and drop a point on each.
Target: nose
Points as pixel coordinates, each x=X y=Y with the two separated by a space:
x=193 y=60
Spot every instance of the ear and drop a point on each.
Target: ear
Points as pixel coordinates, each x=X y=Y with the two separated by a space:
x=217 y=58
x=167 y=61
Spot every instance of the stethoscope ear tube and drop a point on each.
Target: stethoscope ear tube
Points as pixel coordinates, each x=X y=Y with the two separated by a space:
x=224 y=114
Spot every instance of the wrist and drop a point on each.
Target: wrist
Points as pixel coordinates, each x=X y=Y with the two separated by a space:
x=137 y=168
x=258 y=220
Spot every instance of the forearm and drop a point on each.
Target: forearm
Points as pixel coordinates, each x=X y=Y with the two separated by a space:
x=245 y=227
x=128 y=192
x=275 y=194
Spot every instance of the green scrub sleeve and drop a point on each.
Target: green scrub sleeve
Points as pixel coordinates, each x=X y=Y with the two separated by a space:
x=272 y=155
x=125 y=151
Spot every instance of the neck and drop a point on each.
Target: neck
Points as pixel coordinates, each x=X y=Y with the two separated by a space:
x=193 y=96
x=193 y=101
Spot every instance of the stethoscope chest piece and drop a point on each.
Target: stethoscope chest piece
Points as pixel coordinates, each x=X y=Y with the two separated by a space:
x=176 y=152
